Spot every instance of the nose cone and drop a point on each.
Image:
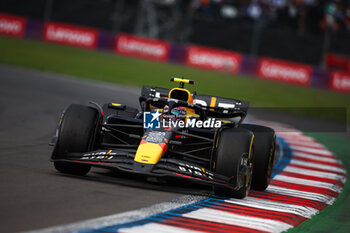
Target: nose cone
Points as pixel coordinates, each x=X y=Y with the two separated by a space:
x=143 y=167
x=149 y=153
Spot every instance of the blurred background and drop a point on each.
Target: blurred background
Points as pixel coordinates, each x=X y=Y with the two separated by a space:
x=313 y=32
x=274 y=53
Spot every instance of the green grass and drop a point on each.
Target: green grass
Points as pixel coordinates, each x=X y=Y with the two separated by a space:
x=109 y=67
x=335 y=218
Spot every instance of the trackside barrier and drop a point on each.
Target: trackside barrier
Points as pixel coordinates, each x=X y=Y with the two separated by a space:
x=213 y=59
x=192 y=55
x=141 y=47
x=71 y=35
x=288 y=72
x=11 y=25
x=340 y=81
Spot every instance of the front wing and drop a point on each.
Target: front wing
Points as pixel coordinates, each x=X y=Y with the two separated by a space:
x=166 y=167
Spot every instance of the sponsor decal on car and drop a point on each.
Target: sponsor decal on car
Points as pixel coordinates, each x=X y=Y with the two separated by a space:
x=194 y=170
x=152 y=120
x=155 y=137
x=340 y=81
x=99 y=155
x=142 y=47
x=11 y=25
x=71 y=35
x=284 y=71
x=213 y=59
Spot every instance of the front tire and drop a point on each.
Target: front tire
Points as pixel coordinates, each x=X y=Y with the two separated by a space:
x=76 y=134
x=234 y=145
x=264 y=145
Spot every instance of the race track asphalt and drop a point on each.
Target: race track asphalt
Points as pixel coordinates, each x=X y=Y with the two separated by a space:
x=33 y=195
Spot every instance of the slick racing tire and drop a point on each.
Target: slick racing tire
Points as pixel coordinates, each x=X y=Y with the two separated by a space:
x=264 y=154
x=234 y=145
x=76 y=135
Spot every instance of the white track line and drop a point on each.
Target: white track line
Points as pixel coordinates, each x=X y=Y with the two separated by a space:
x=316 y=165
x=306 y=144
x=316 y=157
x=313 y=183
x=328 y=175
x=302 y=194
x=303 y=211
x=312 y=150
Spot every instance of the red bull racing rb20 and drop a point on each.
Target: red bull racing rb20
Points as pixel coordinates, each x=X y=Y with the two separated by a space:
x=176 y=133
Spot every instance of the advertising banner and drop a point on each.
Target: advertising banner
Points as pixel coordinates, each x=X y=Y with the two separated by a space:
x=142 y=47
x=340 y=81
x=11 y=25
x=213 y=59
x=283 y=71
x=71 y=35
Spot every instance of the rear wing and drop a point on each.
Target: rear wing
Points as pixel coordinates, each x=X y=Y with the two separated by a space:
x=215 y=106
x=219 y=106
x=154 y=92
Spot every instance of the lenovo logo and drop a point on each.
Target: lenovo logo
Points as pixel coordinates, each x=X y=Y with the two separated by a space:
x=284 y=71
x=213 y=59
x=9 y=26
x=340 y=81
x=71 y=35
x=142 y=47
x=12 y=25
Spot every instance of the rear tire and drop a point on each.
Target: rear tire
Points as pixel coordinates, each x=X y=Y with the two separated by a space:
x=233 y=144
x=76 y=134
x=264 y=148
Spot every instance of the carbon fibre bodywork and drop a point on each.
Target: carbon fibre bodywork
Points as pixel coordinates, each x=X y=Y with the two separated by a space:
x=121 y=142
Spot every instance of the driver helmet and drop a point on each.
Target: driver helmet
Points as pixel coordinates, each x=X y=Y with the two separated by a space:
x=176 y=113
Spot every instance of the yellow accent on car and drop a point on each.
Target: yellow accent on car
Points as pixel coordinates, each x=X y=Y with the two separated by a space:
x=182 y=80
x=190 y=113
x=115 y=104
x=203 y=172
x=226 y=121
x=217 y=142
x=212 y=103
x=249 y=159
x=148 y=153
x=189 y=96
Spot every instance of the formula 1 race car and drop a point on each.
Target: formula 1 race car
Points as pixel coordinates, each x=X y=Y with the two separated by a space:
x=179 y=134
